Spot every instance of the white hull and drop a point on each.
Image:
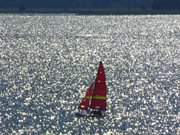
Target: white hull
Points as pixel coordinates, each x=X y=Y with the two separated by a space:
x=84 y=113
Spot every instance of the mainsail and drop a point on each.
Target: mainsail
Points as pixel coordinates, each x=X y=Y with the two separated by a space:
x=96 y=94
x=100 y=90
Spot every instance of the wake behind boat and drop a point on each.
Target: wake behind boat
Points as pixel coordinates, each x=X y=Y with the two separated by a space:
x=94 y=103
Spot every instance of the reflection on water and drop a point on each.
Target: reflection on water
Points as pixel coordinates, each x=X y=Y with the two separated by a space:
x=47 y=62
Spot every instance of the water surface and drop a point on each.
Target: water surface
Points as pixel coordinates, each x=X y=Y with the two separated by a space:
x=48 y=61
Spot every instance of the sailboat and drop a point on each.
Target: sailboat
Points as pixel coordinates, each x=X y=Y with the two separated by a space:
x=94 y=102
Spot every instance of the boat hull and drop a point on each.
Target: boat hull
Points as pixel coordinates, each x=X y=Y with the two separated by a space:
x=98 y=114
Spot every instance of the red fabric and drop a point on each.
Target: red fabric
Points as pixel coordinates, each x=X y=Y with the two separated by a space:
x=86 y=101
x=96 y=95
x=100 y=89
x=98 y=104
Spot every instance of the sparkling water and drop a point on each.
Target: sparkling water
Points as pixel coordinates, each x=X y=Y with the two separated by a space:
x=48 y=61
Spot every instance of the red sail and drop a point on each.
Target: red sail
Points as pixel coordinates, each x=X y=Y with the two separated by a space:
x=86 y=101
x=100 y=91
